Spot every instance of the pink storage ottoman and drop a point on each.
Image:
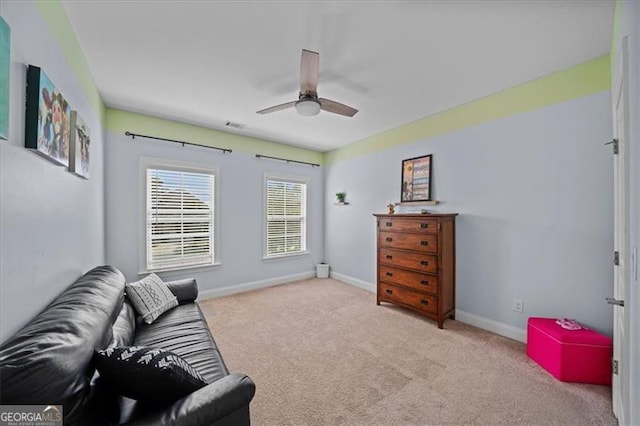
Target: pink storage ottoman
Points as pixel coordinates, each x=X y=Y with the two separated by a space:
x=582 y=356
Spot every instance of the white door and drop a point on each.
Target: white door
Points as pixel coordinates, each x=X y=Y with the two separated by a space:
x=621 y=375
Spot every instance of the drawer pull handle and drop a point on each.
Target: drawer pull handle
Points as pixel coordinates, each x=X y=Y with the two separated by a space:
x=389 y=239
x=423 y=243
x=424 y=263
x=389 y=291
x=389 y=223
x=389 y=256
x=389 y=274
x=424 y=302
x=424 y=282
x=424 y=225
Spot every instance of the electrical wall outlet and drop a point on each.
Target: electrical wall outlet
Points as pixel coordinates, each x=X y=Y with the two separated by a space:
x=518 y=305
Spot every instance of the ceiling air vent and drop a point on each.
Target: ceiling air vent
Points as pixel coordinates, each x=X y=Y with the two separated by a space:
x=235 y=125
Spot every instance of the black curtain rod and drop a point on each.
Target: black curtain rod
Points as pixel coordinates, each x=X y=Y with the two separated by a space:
x=288 y=161
x=133 y=136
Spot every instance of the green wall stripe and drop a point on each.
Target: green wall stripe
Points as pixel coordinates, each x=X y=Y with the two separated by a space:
x=615 y=36
x=59 y=25
x=119 y=121
x=571 y=83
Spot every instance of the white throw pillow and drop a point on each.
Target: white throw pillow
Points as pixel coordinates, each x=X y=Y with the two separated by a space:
x=151 y=297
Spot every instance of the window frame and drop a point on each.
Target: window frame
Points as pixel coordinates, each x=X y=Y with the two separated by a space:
x=293 y=179
x=180 y=166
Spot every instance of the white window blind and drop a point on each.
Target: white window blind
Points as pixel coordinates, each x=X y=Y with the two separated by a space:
x=286 y=217
x=179 y=219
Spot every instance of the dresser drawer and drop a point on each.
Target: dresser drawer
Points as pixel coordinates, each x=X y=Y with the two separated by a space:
x=427 y=243
x=408 y=225
x=408 y=297
x=418 y=261
x=422 y=282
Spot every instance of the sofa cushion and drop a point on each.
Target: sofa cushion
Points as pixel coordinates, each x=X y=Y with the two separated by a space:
x=184 y=331
x=148 y=374
x=151 y=297
x=124 y=327
x=49 y=361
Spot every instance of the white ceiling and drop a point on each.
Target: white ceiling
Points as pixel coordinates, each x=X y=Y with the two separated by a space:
x=208 y=62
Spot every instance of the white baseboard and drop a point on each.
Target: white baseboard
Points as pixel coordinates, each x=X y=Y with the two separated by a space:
x=241 y=288
x=496 y=327
x=354 y=281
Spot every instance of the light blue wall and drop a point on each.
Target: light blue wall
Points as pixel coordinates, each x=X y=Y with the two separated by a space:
x=533 y=193
x=240 y=216
x=51 y=221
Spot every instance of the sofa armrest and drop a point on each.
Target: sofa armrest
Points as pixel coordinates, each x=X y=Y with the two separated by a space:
x=185 y=290
x=207 y=405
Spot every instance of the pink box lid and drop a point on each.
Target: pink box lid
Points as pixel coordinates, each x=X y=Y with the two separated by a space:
x=583 y=336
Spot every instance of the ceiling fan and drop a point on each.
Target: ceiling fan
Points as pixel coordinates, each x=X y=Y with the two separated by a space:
x=308 y=102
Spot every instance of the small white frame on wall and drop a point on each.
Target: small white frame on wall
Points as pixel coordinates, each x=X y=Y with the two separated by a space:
x=79 y=144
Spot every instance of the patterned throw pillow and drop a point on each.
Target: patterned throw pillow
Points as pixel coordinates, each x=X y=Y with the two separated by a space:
x=151 y=297
x=147 y=374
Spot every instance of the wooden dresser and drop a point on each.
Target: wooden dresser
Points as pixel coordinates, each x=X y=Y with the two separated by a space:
x=417 y=263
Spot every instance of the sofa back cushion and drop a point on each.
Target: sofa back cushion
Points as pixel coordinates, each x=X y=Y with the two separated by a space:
x=49 y=361
x=124 y=327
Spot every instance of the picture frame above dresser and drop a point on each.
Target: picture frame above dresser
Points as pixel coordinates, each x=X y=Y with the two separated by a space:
x=416 y=263
x=416 y=179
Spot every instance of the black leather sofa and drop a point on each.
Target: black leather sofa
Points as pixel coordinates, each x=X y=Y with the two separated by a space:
x=49 y=361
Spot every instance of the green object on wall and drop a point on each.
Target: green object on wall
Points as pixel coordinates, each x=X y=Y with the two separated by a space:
x=5 y=67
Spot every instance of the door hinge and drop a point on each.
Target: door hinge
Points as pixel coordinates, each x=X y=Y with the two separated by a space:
x=616 y=258
x=615 y=145
x=615 y=366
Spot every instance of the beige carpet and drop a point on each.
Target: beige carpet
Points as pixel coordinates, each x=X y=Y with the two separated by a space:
x=322 y=353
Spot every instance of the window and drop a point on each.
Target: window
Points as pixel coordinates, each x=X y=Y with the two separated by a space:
x=179 y=217
x=286 y=216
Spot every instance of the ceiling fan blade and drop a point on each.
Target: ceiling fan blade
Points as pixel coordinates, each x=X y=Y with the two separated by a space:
x=309 y=69
x=277 y=107
x=337 y=107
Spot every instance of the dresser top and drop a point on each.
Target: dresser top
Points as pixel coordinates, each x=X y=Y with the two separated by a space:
x=416 y=215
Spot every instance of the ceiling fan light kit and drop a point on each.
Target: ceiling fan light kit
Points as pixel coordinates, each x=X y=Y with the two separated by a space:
x=308 y=107
x=308 y=103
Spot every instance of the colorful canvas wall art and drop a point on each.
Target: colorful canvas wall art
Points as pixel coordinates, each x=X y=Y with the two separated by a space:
x=79 y=144
x=5 y=68
x=47 y=117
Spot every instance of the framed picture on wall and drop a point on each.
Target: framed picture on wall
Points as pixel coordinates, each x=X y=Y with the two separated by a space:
x=79 y=144
x=47 y=118
x=416 y=179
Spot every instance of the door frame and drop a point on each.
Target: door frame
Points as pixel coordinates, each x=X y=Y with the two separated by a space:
x=620 y=94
